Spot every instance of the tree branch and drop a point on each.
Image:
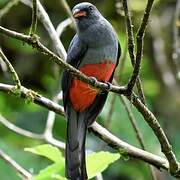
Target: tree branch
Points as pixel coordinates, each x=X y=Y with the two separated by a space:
x=7 y=8
x=37 y=99
x=11 y=70
x=133 y=122
x=34 y=18
x=149 y=117
x=139 y=40
x=62 y=26
x=21 y=171
x=34 y=42
x=154 y=124
x=30 y=134
x=18 y=130
x=44 y=18
x=129 y=27
x=136 y=130
x=68 y=11
x=96 y=128
x=127 y=149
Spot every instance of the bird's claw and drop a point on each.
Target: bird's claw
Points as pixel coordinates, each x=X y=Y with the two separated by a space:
x=93 y=79
x=109 y=85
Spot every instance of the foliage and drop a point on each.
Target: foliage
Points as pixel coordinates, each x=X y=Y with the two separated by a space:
x=96 y=162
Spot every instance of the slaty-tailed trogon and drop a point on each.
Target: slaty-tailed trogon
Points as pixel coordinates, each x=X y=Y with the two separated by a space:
x=95 y=51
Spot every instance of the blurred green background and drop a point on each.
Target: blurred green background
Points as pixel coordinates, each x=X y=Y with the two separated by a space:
x=37 y=72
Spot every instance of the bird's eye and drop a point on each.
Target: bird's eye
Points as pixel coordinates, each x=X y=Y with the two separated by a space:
x=91 y=8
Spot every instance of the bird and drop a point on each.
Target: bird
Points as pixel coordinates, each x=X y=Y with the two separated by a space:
x=95 y=51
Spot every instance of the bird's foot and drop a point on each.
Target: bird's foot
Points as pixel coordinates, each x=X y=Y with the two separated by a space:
x=109 y=85
x=94 y=80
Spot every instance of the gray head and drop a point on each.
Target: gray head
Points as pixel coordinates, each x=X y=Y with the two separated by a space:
x=85 y=14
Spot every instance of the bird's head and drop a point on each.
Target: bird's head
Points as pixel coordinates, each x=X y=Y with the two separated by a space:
x=85 y=14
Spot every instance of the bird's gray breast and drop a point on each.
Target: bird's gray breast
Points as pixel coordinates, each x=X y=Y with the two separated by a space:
x=102 y=44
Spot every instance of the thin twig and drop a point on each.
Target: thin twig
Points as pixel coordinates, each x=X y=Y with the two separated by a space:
x=7 y=8
x=122 y=64
x=11 y=70
x=50 y=121
x=21 y=171
x=30 y=134
x=3 y=64
x=49 y=124
x=68 y=11
x=62 y=26
x=18 y=130
x=44 y=18
x=129 y=27
x=110 y=112
x=34 y=18
x=133 y=122
x=139 y=40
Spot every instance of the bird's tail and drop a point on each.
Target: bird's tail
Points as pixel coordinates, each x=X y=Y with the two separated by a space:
x=75 y=146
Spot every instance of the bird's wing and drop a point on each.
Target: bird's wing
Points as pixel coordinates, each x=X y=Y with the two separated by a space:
x=76 y=52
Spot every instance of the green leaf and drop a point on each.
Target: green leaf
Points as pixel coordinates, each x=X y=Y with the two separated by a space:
x=47 y=151
x=54 y=171
x=98 y=162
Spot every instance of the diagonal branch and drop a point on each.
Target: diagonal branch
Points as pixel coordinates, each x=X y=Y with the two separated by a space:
x=6 y=9
x=18 y=130
x=160 y=134
x=21 y=171
x=133 y=122
x=101 y=132
x=34 y=42
x=127 y=149
x=62 y=26
x=37 y=99
x=136 y=130
x=68 y=11
x=30 y=134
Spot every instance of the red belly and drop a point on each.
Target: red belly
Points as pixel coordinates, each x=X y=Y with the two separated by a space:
x=82 y=95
